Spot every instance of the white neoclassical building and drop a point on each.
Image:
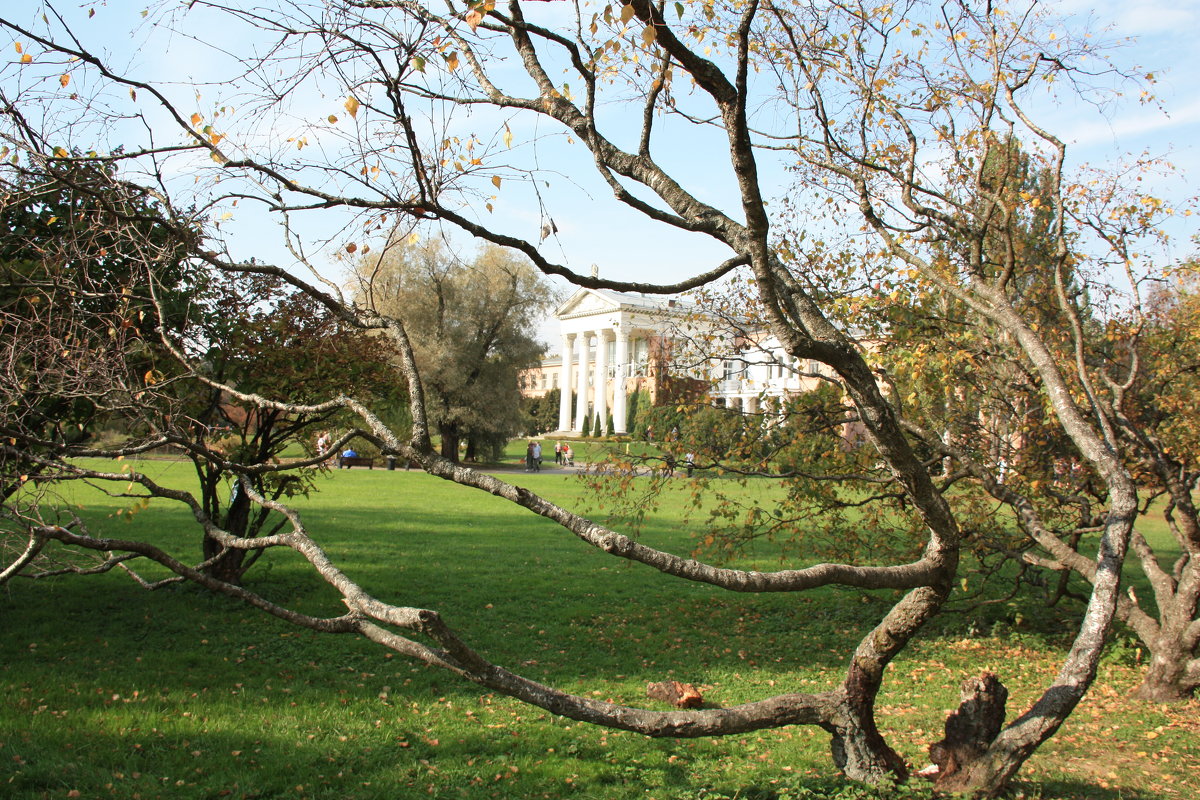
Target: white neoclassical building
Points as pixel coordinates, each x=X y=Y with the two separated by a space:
x=610 y=345
x=613 y=344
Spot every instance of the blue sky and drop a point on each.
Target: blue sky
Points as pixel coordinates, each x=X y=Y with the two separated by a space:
x=621 y=242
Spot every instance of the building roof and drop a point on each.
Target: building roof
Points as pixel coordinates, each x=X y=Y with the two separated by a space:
x=599 y=301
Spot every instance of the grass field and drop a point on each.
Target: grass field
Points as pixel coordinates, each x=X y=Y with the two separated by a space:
x=107 y=690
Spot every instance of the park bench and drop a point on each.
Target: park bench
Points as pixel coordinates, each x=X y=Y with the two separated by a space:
x=346 y=462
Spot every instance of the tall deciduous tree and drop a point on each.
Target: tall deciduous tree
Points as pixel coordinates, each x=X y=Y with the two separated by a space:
x=473 y=327
x=890 y=115
x=75 y=246
x=251 y=321
x=1156 y=419
x=972 y=398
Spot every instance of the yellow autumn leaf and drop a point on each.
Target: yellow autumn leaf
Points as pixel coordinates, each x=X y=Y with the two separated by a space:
x=496 y=181
x=196 y=119
x=332 y=118
x=474 y=18
x=452 y=61
x=508 y=137
x=64 y=80
x=19 y=48
x=649 y=34
x=26 y=59
x=352 y=106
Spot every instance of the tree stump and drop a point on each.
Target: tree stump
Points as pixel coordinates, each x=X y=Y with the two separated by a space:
x=971 y=728
x=680 y=695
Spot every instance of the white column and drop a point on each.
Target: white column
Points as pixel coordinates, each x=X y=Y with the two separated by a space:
x=601 y=381
x=564 y=384
x=622 y=368
x=581 y=402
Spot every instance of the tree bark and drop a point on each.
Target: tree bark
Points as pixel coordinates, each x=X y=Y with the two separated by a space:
x=969 y=731
x=227 y=566
x=858 y=748
x=450 y=440
x=1171 y=675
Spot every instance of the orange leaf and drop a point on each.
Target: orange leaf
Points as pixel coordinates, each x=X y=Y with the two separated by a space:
x=64 y=80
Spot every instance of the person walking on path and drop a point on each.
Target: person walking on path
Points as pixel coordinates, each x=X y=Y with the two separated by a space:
x=537 y=456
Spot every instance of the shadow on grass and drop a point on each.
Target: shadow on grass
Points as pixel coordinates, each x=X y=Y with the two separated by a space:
x=203 y=760
x=399 y=763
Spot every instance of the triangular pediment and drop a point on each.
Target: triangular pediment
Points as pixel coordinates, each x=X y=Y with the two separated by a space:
x=584 y=303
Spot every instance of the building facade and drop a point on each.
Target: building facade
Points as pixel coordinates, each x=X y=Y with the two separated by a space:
x=613 y=344
x=609 y=347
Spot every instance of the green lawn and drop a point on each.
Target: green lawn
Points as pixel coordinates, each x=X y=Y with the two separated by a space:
x=107 y=690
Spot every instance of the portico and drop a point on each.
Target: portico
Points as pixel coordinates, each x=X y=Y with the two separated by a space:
x=607 y=339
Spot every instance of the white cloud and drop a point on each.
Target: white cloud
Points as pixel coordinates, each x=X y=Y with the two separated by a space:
x=1142 y=125
x=1136 y=17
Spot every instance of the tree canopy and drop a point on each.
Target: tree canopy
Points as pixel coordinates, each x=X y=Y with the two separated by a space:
x=472 y=325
